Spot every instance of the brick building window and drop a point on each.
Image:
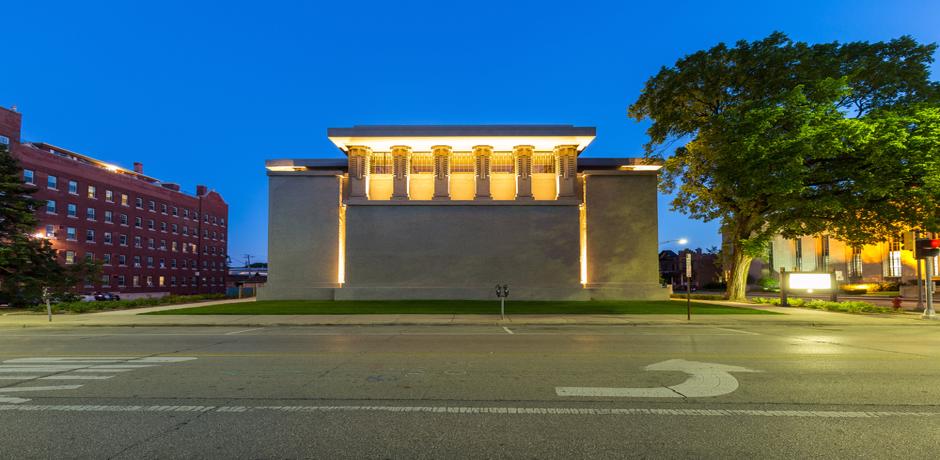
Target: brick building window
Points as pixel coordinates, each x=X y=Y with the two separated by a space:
x=92 y=192
x=69 y=257
x=136 y=280
x=109 y=217
x=109 y=196
x=89 y=236
x=152 y=206
x=122 y=260
x=120 y=281
x=150 y=224
x=50 y=231
x=107 y=237
x=52 y=182
x=72 y=210
x=71 y=234
x=138 y=222
x=90 y=213
x=73 y=187
x=136 y=261
x=29 y=176
x=149 y=261
x=50 y=207
x=139 y=203
x=106 y=259
x=124 y=199
x=122 y=240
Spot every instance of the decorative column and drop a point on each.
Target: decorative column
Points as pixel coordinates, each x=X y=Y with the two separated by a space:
x=481 y=158
x=566 y=157
x=523 y=156
x=441 y=171
x=359 y=171
x=400 y=155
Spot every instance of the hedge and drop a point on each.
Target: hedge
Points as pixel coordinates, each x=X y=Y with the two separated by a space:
x=84 y=307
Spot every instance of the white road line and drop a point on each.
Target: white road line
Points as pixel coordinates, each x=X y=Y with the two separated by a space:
x=103 y=370
x=244 y=330
x=465 y=410
x=18 y=377
x=69 y=360
x=76 y=377
x=49 y=388
x=507 y=330
x=737 y=330
x=162 y=359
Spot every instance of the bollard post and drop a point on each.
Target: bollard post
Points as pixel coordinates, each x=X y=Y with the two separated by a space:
x=783 y=287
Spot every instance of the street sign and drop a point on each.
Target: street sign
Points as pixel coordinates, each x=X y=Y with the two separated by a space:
x=688 y=265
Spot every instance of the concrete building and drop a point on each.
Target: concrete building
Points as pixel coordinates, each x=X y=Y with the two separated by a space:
x=428 y=212
x=889 y=261
x=151 y=238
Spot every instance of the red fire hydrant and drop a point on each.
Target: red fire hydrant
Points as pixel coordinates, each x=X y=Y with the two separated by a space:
x=896 y=303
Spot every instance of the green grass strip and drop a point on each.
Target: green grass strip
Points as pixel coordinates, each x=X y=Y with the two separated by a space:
x=459 y=307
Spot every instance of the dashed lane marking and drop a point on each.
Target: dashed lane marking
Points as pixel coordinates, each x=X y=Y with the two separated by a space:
x=507 y=330
x=465 y=410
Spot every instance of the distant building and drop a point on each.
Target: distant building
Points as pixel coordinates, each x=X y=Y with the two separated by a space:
x=151 y=238
x=705 y=269
x=422 y=212
x=887 y=261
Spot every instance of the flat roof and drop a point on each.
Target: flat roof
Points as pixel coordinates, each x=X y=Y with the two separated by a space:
x=460 y=130
x=342 y=164
x=421 y=138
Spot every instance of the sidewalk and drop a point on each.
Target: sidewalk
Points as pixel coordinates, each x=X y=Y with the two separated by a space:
x=790 y=316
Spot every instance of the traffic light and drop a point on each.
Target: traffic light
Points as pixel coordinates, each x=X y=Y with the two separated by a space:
x=927 y=248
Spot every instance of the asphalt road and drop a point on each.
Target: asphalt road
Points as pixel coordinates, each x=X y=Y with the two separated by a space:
x=470 y=392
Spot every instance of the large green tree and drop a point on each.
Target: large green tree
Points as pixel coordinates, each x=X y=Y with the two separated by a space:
x=27 y=262
x=784 y=137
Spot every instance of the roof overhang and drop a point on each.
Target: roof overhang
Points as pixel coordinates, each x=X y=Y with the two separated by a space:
x=461 y=137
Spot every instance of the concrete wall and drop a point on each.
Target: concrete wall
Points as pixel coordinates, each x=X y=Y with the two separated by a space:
x=421 y=250
x=622 y=236
x=461 y=251
x=303 y=235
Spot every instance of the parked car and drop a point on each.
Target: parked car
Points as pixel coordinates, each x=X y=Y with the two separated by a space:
x=106 y=296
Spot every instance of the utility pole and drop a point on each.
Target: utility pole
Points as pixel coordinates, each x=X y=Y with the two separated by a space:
x=247 y=260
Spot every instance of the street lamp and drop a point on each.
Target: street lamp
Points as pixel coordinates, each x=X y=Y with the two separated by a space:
x=680 y=241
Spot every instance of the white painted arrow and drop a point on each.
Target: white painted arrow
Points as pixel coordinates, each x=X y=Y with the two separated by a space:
x=705 y=380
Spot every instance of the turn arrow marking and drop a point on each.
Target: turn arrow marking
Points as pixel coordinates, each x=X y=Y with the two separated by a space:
x=705 y=380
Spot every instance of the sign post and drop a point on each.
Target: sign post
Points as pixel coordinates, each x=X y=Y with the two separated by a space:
x=45 y=296
x=502 y=292
x=927 y=249
x=688 y=286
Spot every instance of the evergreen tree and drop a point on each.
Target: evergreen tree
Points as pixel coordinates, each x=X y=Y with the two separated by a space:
x=27 y=261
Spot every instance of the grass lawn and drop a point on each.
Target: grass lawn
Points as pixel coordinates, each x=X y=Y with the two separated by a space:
x=449 y=307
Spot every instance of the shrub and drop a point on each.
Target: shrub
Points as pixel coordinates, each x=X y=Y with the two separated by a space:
x=768 y=283
x=851 y=306
x=85 y=307
x=699 y=296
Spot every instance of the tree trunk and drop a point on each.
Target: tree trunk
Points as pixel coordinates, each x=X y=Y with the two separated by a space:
x=737 y=282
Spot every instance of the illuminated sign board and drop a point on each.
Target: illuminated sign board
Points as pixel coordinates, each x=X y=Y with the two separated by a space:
x=810 y=281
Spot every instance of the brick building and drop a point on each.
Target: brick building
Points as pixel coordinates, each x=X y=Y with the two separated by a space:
x=151 y=238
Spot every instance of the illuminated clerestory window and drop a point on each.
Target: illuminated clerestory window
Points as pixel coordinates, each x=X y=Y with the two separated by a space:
x=502 y=162
x=461 y=162
x=381 y=163
x=422 y=163
x=543 y=163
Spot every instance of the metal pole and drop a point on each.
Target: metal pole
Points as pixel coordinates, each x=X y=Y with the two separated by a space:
x=928 y=269
x=45 y=295
x=502 y=307
x=920 y=283
x=783 y=287
x=834 y=294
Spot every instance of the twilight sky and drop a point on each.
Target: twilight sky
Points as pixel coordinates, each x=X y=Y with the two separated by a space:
x=205 y=93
